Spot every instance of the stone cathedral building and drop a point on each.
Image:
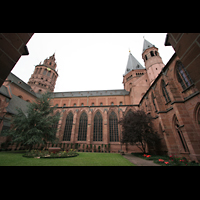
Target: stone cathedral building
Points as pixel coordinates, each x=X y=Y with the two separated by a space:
x=166 y=92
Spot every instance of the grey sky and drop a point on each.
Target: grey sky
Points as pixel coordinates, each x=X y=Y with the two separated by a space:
x=88 y=61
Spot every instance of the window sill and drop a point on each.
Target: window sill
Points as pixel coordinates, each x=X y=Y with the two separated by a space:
x=188 y=88
x=167 y=102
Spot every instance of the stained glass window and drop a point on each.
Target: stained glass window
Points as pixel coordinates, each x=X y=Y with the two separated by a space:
x=68 y=127
x=165 y=93
x=98 y=122
x=152 y=96
x=82 y=132
x=182 y=76
x=113 y=127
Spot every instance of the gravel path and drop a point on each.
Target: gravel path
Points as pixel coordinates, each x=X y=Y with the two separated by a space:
x=139 y=161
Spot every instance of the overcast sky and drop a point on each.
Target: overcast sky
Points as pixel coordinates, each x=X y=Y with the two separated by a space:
x=88 y=61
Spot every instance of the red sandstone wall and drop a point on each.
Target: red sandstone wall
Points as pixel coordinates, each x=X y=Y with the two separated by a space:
x=87 y=101
x=20 y=92
x=184 y=105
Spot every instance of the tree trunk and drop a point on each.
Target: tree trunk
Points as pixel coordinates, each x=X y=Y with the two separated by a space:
x=30 y=147
x=143 y=147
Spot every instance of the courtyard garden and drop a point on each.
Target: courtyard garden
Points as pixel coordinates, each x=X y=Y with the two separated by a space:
x=16 y=158
x=172 y=160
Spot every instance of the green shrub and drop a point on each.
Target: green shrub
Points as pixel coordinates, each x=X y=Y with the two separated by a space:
x=172 y=160
x=45 y=154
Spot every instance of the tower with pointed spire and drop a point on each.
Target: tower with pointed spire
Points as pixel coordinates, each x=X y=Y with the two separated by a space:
x=44 y=76
x=135 y=79
x=152 y=60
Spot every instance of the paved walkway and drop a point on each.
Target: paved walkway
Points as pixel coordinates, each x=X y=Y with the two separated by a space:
x=139 y=161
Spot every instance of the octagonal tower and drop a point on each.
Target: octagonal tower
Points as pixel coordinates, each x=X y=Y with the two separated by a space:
x=44 y=76
x=152 y=60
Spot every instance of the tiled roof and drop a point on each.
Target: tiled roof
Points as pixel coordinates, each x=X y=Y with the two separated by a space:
x=90 y=93
x=147 y=45
x=132 y=64
x=4 y=91
x=21 y=83
x=17 y=102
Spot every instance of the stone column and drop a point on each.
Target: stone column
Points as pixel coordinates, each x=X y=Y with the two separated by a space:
x=89 y=125
x=120 y=127
x=74 y=128
x=105 y=126
x=42 y=71
x=59 y=130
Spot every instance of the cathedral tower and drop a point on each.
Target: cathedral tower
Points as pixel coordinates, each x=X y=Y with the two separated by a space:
x=133 y=71
x=44 y=76
x=153 y=61
x=135 y=79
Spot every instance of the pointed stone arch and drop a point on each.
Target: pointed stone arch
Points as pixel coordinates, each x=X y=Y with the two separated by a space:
x=63 y=120
x=68 y=127
x=129 y=109
x=98 y=126
x=161 y=145
x=182 y=75
x=181 y=142
x=165 y=92
x=113 y=127
x=196 y=115
x=82 y=130
x=80 y=111
x=97 y=110
x=114 y=109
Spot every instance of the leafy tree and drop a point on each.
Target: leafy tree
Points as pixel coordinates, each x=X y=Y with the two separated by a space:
x=37 y=126
x=137 y=129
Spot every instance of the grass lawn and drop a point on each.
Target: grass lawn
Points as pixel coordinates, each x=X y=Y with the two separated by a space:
x=84 y=159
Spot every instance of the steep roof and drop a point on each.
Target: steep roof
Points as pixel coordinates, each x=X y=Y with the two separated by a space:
x=147 y=45
x=20 y=83
x=4 y=91
x=17 y=102
x=90 y=93
x=132 y=64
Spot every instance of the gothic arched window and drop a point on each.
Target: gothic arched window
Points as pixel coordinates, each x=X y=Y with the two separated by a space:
x=39 y=70
x=152 y=54
x=82 y=131
x=182 y=76
x=48 y=74
x=98 y=122
x=152 y=96
x=165 y=93
x=198 y=116
x=129 y=112
x=113 y=127
x=180 y=134
x=68 y=127
x=44 y=72
x=56 y=124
